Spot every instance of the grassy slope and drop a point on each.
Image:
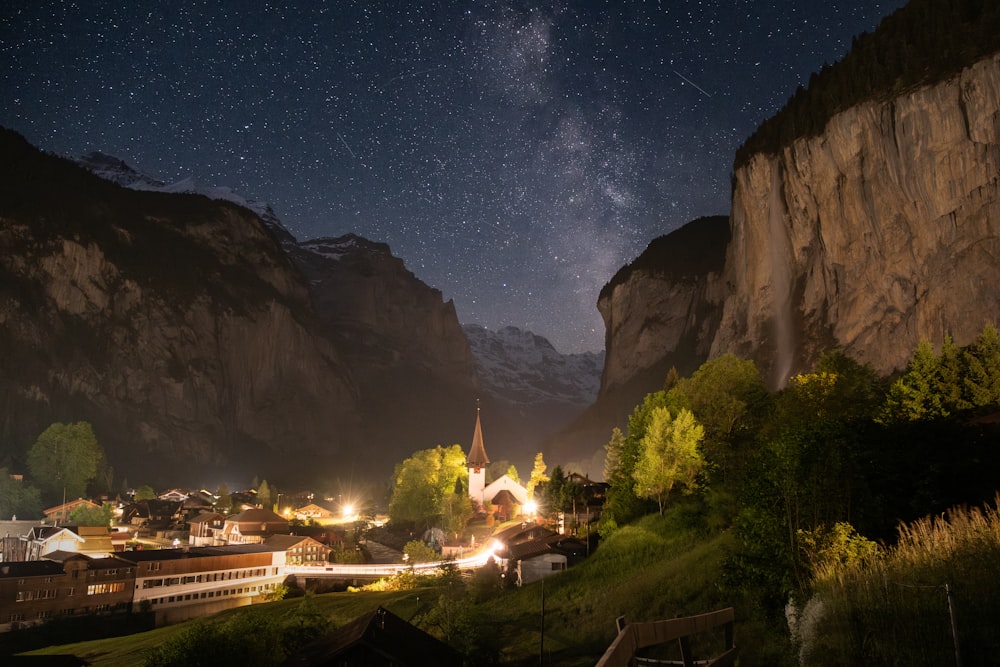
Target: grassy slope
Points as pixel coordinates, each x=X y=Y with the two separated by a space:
x=655 y=569
x=652 y=570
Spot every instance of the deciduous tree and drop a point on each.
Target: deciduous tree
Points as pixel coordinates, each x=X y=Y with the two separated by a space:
x=538 y=475
x=670 y=455
x=18 y=498
x=64 y=459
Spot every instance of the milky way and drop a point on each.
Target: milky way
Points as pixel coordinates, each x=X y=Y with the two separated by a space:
x=514 y=155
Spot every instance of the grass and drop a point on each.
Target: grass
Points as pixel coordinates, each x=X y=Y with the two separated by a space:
x=652 y=570
x=899 y=608
x=340 y=608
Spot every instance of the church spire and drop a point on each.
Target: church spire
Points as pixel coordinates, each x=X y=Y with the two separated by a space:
x=477 y=455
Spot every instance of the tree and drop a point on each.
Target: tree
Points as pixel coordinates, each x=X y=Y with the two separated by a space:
x=18 y=498
x=418 y=552
x=916 y=395
x=144 y=492
x=92 y=516
x=670 y=455
x=424 y=486
x=982 y=363
x=64 y=459
x=727 y=396
x=225 y=502
x=264 y=495
x=538 y=475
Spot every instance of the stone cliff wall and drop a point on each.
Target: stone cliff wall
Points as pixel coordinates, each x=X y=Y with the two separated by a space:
x=175 y=325
x=882 y=231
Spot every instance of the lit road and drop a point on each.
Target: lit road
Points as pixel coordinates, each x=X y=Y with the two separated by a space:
x=387 y=569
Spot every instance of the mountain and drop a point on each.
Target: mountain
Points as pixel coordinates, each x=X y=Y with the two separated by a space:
x=864 y=228
x=524 y=369
x=370 y=304
x=204 y=342
x=397 y=334
x=175 y=324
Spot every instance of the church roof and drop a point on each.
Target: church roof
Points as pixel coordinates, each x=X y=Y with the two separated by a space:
x=477 y=455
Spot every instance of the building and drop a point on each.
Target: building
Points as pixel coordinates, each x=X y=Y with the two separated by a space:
x=60 y=513
x=178 y=584
x=253 y=526
x=205 y=530
x=43 y=540
x=530 y=552
x=482 y=495
x=477 y=462
x=63 y=584
x=312 y=511
x=300 y=549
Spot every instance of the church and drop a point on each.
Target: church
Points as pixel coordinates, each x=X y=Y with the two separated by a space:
x=503 y=497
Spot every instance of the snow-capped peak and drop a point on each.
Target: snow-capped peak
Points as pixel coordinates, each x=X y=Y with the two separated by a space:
x=522 y=367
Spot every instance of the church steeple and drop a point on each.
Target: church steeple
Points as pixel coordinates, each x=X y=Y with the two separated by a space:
x=477 y=455
x=477 y=461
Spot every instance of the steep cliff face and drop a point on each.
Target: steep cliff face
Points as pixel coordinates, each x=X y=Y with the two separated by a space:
x=173 y=323
x=402 y=342
x=879 y=232
x=372 y=303
x=658 y=310
x=882 y=231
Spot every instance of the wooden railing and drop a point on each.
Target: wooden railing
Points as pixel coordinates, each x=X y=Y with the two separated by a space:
x=635 y=636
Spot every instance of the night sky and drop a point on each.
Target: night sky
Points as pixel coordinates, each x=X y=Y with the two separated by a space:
x=514 y=155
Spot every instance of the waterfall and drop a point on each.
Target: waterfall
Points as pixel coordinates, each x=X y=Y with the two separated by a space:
x=780 y=255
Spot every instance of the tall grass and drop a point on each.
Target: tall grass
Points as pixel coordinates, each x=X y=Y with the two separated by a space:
x=900 y=608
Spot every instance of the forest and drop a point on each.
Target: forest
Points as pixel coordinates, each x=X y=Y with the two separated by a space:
x=923 y=43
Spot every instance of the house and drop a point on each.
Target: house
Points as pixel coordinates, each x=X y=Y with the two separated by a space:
x=60 y=513
x=311 y=511
x=154 y=515
x=198 y=502
x=253 y=526
x=300 y=549
x=206 y=529
x=534 y=560
x=174 y=495
x=178 y=584
x=43 y=540
x=377 y=638
x=530 y=552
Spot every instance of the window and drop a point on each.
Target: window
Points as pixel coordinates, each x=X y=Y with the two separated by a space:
x=100 y=589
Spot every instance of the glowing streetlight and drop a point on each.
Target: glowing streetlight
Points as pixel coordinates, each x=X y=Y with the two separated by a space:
x=348 y=511
x=530 y=507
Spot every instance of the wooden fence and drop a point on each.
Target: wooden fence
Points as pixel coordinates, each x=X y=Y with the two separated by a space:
x=636 y=636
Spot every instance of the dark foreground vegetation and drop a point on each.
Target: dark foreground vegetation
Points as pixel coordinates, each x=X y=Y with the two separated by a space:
x=849 y=519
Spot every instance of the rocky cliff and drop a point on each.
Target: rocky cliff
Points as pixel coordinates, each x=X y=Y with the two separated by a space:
x=881 y=231
x=204 y=342
x=175 y=324
x=403 y=343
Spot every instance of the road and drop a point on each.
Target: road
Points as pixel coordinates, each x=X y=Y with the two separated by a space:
x=378 y=570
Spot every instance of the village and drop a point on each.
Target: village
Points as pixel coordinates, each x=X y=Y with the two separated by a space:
x=182 y=554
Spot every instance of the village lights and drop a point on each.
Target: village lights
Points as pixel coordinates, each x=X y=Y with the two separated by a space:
x=347 y=510
x=531 y=507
